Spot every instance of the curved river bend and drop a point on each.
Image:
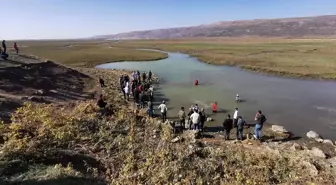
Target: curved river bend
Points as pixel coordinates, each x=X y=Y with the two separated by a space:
x=299 y=105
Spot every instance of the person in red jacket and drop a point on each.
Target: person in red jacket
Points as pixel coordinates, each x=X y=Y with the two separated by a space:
x=16 y=48
x=195 y=82
x=214 y=107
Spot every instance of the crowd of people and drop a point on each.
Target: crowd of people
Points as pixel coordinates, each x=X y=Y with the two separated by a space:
x=3 y=50
x=140 y=87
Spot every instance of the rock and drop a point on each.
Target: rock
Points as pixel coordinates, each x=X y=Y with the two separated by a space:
x=36 y=99
x=53 y=91
x=311 y=167
x=40 y=92
x=24 y=98
x=209 y=119
x=278 y=128
x=319 y=140
x=296 y=147
x=176 y=139
x=312 y=135
x=318 y=152
x=328 y=141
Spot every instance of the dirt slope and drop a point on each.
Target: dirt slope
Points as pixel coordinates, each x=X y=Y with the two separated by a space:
x=43 y=82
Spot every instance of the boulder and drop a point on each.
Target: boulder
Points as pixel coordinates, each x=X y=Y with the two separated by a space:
x=319 y=140
x=296 y=147
x=318 y=152
x=312 y=135
x=278 y=128
x=328 y=141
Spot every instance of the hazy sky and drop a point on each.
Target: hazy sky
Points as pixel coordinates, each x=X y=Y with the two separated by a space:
x=41 y=19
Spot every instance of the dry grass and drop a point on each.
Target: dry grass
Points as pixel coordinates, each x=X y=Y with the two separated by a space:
x=87 y=54
x=305 y=58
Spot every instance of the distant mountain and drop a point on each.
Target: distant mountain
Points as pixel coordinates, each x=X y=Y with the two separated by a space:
x=288 y=27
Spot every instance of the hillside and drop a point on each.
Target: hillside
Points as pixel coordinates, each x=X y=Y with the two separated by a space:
x=288 y=27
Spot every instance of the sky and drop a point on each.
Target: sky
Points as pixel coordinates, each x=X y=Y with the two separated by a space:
x=64 y=19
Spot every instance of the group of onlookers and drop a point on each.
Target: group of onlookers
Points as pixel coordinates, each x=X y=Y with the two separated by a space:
x=140 y=86
x=3 y=50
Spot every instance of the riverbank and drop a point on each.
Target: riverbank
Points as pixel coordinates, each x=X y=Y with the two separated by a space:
x=307 y=59
x=70 y=143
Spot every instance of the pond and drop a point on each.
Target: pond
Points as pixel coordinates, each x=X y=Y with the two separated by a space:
x=299 y=105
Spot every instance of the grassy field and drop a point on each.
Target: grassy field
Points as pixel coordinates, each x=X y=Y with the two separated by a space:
x=303 y=58
x=88 y=53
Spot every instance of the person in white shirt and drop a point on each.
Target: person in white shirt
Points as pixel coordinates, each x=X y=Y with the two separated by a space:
x=235 y=119
x=195 y=118
x=163 y=109
x=126 y=90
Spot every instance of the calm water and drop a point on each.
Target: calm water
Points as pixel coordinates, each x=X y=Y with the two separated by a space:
x=299 y=105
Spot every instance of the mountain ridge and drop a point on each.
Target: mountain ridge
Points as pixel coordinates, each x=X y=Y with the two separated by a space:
x=324 y=25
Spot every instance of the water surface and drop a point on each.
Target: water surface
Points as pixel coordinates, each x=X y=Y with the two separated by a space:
x=299 y=105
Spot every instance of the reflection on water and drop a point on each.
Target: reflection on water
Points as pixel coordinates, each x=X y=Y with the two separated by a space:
x=292 y=103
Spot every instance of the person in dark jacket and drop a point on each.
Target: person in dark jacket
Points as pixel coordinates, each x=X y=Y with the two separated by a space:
x=203 y=118
x=227 y=126
x=240 y=127
x=144 y=76
x=101 y=103
x=149 y=76
x=191 y=111
x=102 y=83
x=16 y=48
x=136 y=95
x=121 y=82
x=261 y=119
x=138 y=76
x=4 y=46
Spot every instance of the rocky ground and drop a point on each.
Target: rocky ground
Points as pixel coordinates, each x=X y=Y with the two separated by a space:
x=68 y=141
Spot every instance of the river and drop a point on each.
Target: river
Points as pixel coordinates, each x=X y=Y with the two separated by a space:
x=299 y=105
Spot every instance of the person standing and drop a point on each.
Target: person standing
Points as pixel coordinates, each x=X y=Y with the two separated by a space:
x=163 y=108
x=138 y=76
x=149 y=76
x=16 y=48
x=195 y=118
x=4 y=46
x=126 y=91
x=144 y=76
x=203 y=118
x=227 y=126
x=182 y=117
x=235 y=117
x=150 y=109
x=214 y=107
x=260 y=120
x=240 y=128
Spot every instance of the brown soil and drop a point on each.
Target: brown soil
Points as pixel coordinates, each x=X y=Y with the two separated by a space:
x=44 y=82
